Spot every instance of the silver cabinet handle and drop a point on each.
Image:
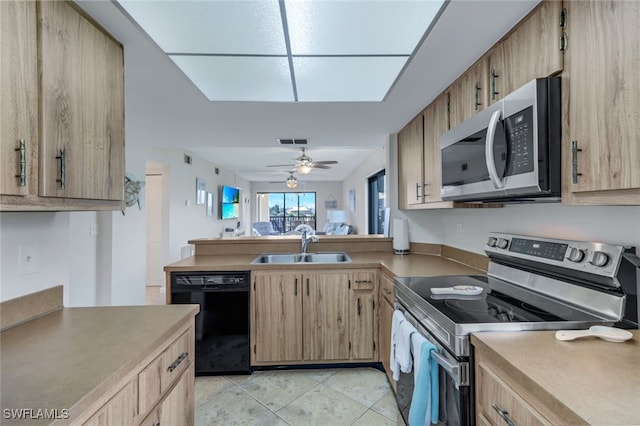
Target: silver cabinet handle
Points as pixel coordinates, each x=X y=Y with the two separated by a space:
x=417 y=191
x=177 y=362
x=488 y=150
x=63 y=165
x=364 y=282
x=386 y=290
x=22 y=148
x=504 y=414
x=477 y=96
x=574 y=161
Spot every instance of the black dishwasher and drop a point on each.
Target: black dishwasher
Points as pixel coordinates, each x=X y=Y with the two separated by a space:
x=222 y=325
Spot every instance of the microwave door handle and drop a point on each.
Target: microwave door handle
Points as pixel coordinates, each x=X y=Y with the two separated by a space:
x=488 y=150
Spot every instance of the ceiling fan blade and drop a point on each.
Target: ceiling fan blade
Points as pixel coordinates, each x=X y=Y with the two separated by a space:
x=325 y=162
x=282 y=165
x=320 y=166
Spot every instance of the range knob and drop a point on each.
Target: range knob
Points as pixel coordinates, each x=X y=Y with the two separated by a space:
x=575 y=254
x=492 y=241
x=503 y=243
x=599 y=258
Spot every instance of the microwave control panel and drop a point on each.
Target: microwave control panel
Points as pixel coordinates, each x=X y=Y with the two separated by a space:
x=519 y=132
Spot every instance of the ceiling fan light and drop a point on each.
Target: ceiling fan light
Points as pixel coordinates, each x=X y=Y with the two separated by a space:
x=292 y=182
x=303 y=169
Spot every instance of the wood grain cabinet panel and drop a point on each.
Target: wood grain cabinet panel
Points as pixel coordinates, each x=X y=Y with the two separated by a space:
x=326 y=321
x=276 y=326
x=385 y=318
x=307 y=317
x=121 y=410
x=532 y=50
x=601 y=90
x=18 y=103
x=82 y=100
x=469 y=94
x=364 y=318
x=410 y=154
x=436 y=122
x=62 y=86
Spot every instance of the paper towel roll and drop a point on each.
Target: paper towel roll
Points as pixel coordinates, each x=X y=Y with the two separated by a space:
x=400 y=236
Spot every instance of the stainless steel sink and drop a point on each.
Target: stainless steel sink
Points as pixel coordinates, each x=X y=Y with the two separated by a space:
x=293 y=258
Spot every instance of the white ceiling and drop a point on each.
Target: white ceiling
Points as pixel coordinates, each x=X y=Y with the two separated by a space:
x=165 y=110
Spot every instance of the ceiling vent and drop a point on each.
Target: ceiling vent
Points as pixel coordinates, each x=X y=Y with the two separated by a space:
x=293 y=141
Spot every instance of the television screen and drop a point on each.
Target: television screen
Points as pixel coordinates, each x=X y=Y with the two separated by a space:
x=230 y=203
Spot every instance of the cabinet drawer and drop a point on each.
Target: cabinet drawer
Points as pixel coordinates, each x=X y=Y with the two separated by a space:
x=158 y=376
x=497 y=401
x=387 y=289
x=121 y=410
x=364 y=280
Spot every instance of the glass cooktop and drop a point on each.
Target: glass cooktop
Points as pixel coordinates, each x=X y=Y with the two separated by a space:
x=493 y=305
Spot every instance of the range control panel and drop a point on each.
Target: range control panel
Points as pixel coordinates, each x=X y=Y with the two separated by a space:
x=595 y=258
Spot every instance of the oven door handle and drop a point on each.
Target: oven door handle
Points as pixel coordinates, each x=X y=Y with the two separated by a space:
x=458 y=371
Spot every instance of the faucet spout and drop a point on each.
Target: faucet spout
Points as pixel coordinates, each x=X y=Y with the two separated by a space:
x=305 y=240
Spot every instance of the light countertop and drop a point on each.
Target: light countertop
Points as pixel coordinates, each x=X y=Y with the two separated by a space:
x=593 y=379
x=398 y=265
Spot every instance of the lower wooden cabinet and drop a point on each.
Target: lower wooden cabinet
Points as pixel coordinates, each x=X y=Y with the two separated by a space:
x=120 y=410
x=500 y=401
x=385 y=314
x=308 y=317
x=160 y=391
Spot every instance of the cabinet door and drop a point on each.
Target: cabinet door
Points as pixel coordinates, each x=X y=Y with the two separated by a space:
x=364 y=321
x=277 y=317
x=82 y=107
x=18 y=103
x=386 y=316
x=410 y=153
x=602 y=62
x=121 y=410
x=436 y=122
x=531 y=51
x=326 y=317
x=497 y=402
x=178 y=406
x=469 y=93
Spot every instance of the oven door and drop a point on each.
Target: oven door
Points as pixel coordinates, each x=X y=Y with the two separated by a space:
x=456 y=389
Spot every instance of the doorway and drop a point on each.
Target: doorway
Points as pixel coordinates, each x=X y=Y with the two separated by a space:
x=376 y=207
x=157 y=219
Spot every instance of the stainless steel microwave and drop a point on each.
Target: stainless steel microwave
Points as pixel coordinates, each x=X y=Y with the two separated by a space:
x=509 y=152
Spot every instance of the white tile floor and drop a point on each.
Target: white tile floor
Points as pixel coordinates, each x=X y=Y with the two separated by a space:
x=344 y=396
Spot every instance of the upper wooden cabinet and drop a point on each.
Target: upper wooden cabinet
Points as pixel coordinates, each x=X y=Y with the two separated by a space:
x=72 y=86
x=436 y=122
x=19 y=100
x=469 y=93
x=410 y=155
x=601 y=136
x=532 y=50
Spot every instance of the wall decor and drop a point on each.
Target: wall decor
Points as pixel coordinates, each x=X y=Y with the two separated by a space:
x=330 y=202
x=209 y=203
x=352 y=200
x=132 y=188
x=201 y=191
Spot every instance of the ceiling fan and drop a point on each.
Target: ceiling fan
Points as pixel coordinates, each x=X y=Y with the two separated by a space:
x=305 y=164
x=291 y=181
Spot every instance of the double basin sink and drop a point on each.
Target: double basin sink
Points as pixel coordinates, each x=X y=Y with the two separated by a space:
x=292 y=258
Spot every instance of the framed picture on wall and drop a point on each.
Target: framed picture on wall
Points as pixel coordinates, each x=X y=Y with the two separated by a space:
x=201 y=191
x=209 y=203
x=352 y=200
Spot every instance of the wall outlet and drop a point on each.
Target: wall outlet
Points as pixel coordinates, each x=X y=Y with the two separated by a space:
x=28 y=259
x=459 y=230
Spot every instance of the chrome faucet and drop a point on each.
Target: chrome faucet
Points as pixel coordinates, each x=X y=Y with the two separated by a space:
x=305 y=240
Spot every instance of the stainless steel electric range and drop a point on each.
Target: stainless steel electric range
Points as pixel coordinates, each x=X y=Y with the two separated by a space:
x=532 y=284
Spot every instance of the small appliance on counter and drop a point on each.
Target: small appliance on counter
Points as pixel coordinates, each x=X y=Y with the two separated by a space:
x=400 y=236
